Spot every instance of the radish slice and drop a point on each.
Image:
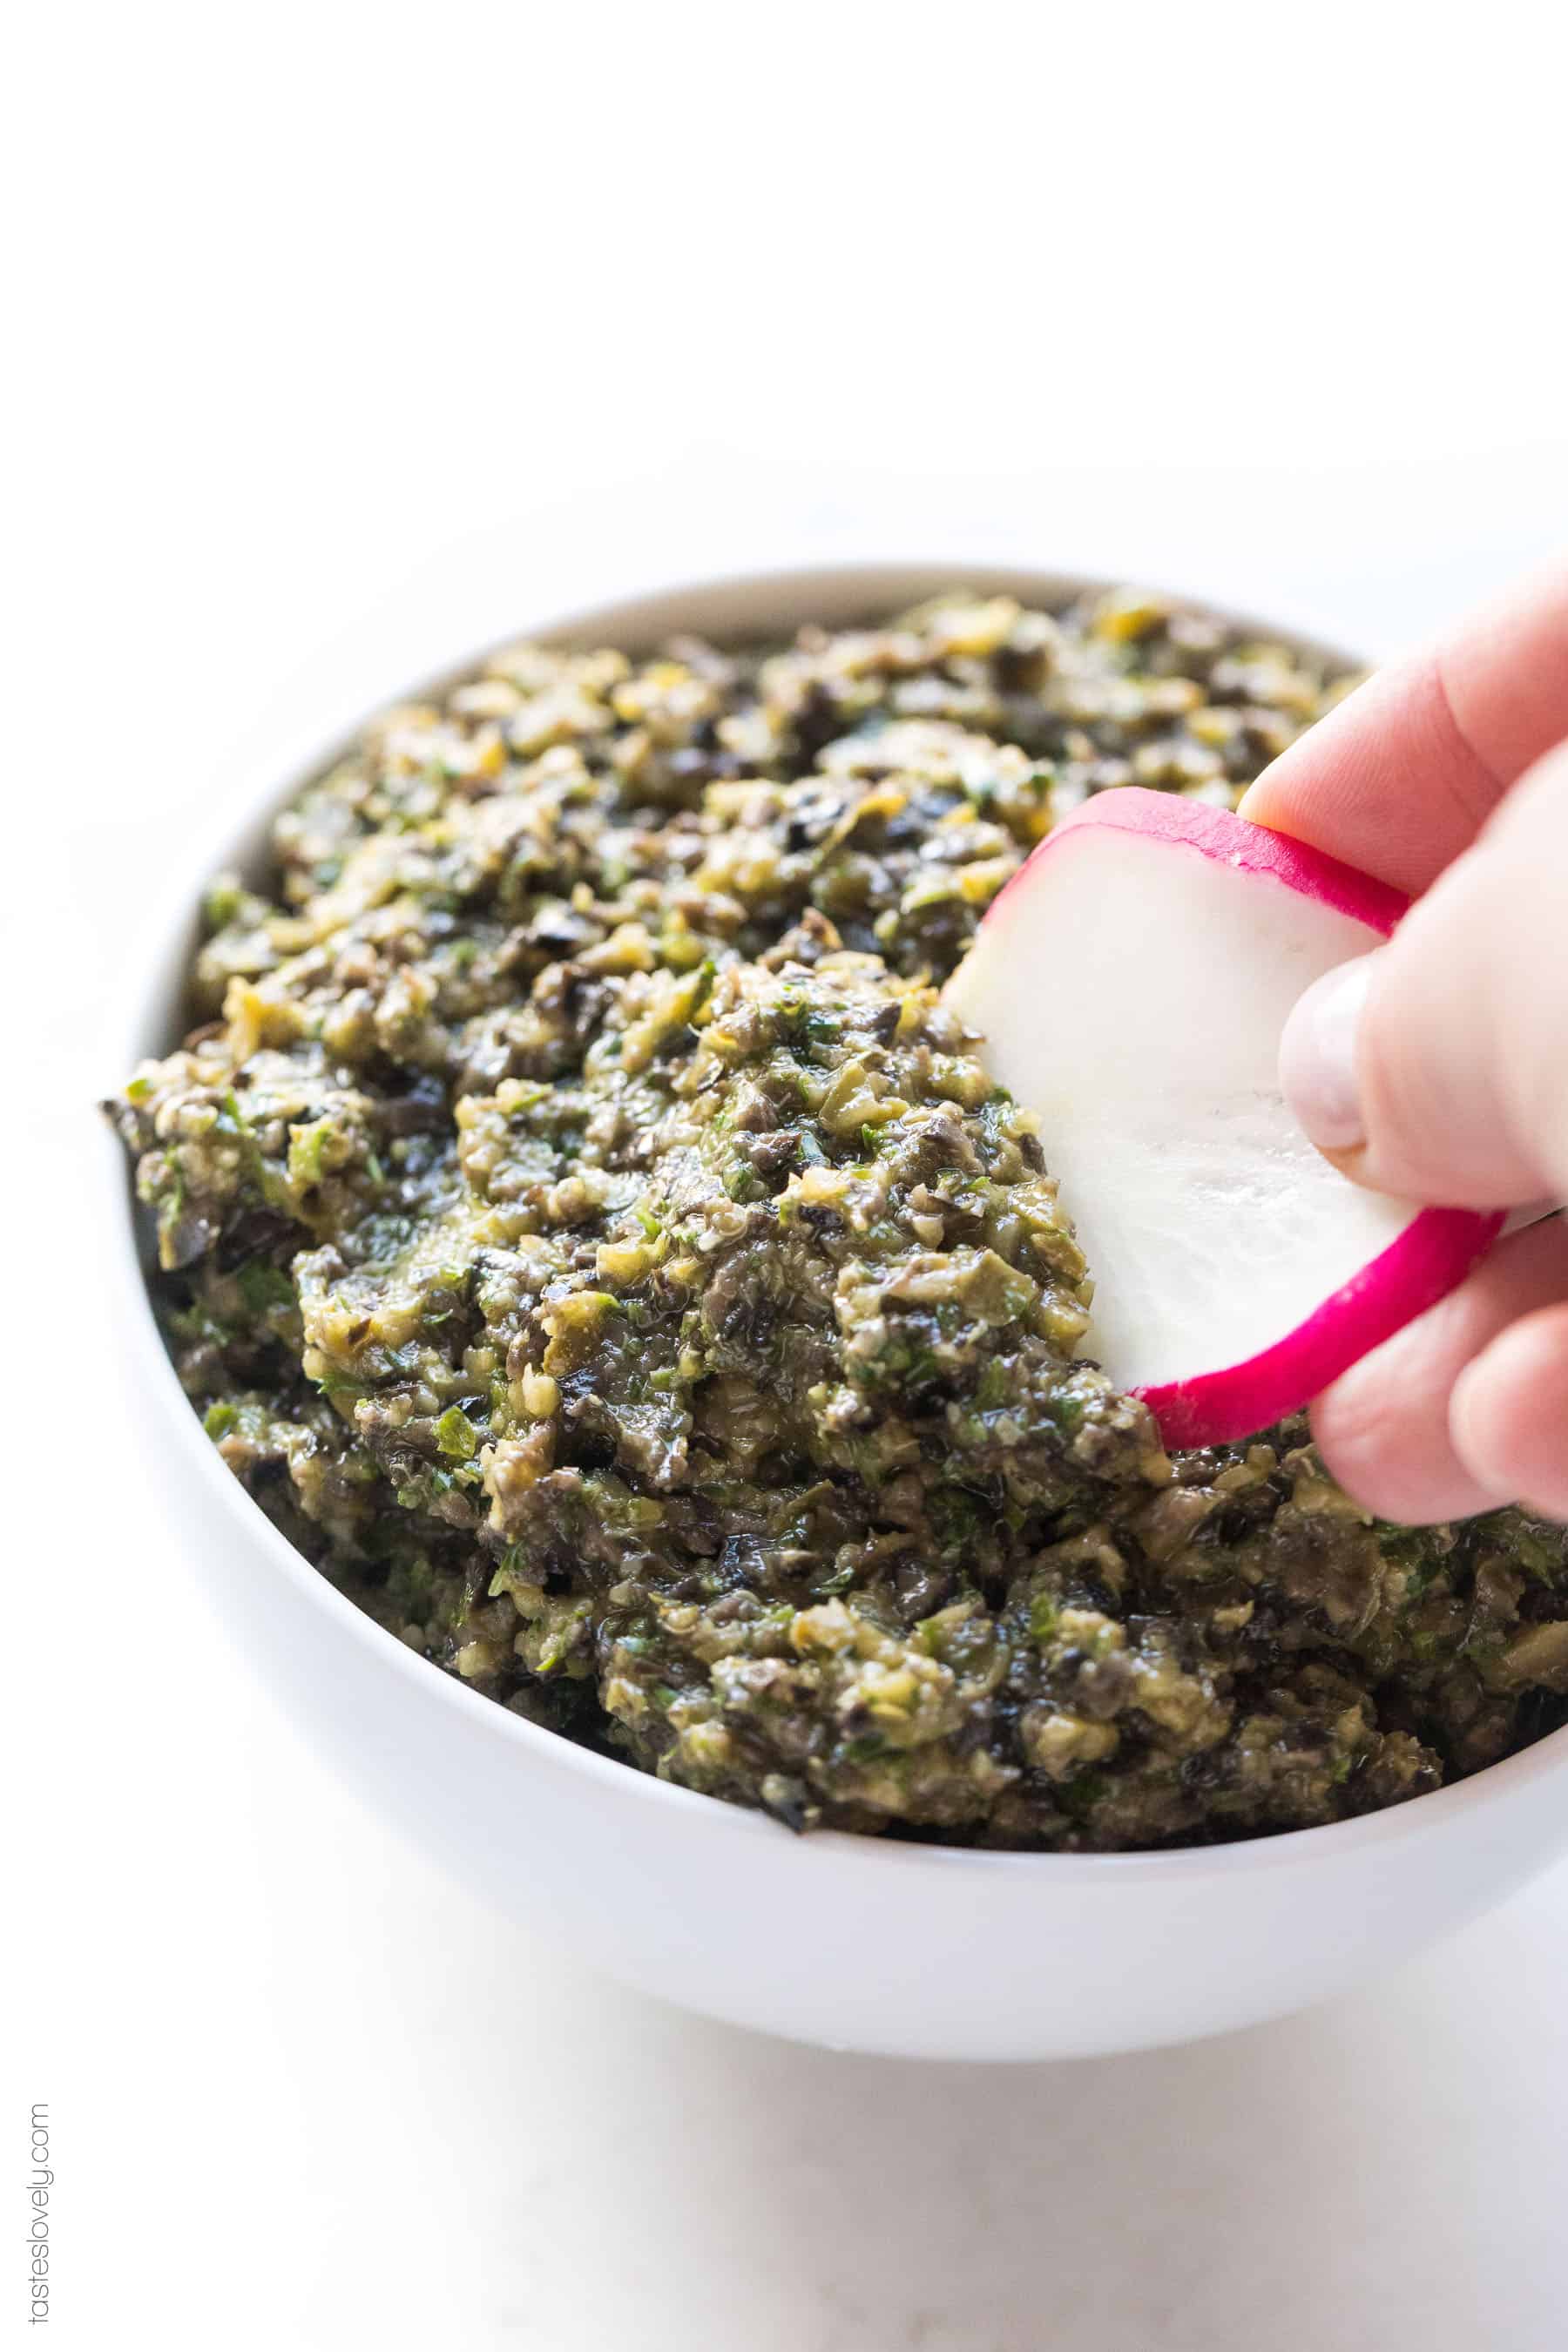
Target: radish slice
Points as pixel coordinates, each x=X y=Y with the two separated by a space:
x=1131 y=985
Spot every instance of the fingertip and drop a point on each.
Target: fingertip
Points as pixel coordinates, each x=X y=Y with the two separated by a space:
x=1382 y=781
x=1383 y=1428
x=1387 y=1444
x=1508 y=1415
x=1261 y=797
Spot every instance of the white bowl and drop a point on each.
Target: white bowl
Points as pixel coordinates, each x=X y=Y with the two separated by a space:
x=857 y=1943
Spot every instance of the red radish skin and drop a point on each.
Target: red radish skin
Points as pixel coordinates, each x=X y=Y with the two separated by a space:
x=1431 y=1258
x=1230 y=841
x=1426 y=1259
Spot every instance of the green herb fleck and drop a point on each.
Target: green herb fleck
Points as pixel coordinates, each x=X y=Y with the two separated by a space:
x=456 y=1435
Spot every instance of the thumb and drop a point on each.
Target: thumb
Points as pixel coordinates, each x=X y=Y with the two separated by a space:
x=1436 y=1067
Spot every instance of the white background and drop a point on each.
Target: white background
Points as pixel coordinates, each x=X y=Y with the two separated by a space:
x=343 y=337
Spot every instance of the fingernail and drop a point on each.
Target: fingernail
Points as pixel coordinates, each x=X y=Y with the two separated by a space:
x=1318 y=1058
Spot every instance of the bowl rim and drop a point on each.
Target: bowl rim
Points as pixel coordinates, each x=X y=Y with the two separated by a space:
x=274 y=772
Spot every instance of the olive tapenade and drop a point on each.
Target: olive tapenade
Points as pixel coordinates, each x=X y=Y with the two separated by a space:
x=589 y=1237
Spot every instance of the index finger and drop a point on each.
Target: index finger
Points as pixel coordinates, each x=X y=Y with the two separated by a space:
x=1402 y=774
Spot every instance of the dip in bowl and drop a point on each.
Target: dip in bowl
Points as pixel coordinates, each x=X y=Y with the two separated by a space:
x=598 y=1251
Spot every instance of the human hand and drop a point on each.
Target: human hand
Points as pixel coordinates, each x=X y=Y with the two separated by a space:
x=1436 y=1067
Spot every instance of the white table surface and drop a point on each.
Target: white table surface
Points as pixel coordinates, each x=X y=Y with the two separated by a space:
x=378 y=357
